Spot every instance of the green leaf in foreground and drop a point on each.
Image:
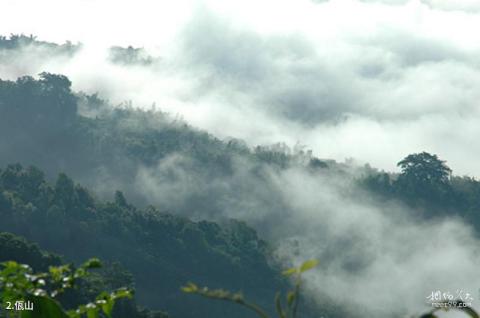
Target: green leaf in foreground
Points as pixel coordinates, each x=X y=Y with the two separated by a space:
x=44 y=307
x=308 y=265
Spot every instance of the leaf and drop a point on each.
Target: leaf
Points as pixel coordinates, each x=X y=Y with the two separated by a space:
x=92 y=263
x=44 y=307
x=290 y=298
x=190 y=288
x=308 y=265
x=290 y=271
x=92 y=313
x=278 y=306
x=121 y=293
x=107 y=307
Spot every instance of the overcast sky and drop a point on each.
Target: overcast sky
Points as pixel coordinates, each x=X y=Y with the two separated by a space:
x=369 y=79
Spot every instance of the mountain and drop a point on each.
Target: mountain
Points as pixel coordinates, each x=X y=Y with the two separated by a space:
x=162 y=251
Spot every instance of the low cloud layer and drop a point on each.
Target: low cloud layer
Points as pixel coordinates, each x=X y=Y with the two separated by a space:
x=471 y=6
x=377 y=259
x=402 y=80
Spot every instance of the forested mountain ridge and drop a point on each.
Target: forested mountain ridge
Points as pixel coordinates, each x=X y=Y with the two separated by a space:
x=46 y=124
x=428 y=187
x=162 y=251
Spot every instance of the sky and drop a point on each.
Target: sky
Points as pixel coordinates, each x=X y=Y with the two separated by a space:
x=363 y=79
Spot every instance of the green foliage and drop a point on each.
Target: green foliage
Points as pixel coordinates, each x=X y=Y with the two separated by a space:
x=98 y=143
x=19 y=282
x=423 y=175
x=424 y=168
x=158 y=248
x=427 y=185
x=44 y=307
x=46 y=105
x=91 y=279
x=292 y=298
x=13 y=247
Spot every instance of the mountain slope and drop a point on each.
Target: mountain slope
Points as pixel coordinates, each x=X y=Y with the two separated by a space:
x=161 y=250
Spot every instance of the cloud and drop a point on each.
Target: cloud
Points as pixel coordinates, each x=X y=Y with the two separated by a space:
x=472 y=6
x=390 y=78
x=280 y=75
x=389 y=2
x=377 y=259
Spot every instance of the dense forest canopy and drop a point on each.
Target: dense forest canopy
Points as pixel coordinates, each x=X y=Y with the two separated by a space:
x=162 y=251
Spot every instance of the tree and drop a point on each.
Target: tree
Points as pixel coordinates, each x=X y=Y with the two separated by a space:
x=57 y=95
x=64 y=191
x=425 y=168
x=120 y=199
x=423 y=176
